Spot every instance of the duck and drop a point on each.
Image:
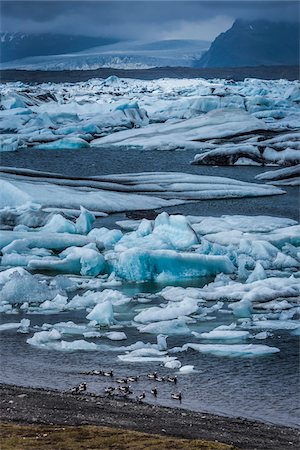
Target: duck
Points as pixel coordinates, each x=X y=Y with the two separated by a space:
x=121 y=380
x=141 y=397
x=159 y=379
x=172 y=379
x=125 y=389
x=109 y=390
x=132 y=379
x=74 y=390
x=108 y=373
x=97 y=372
x=82 y=387
x=176 y=396
x=152 y=375
x=154 y=391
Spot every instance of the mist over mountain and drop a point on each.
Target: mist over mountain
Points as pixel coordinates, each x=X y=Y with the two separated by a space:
x=20 y=45
x=254 y=43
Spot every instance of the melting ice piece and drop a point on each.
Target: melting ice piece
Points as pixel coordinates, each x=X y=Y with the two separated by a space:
x=69 y=143
x=102 y=314
x=57 y=304
x=116 y=335
x=226 y=335
x=233 y=349
x=85 y=221
x=242 y=308
x=26 y=288
x=173 y=364
x=187 y=369
x=170 y=327
x=77 y=260
x=21 y=326
x=144 y=355
x=169 y=232
x=171 y=311
x=138 y=265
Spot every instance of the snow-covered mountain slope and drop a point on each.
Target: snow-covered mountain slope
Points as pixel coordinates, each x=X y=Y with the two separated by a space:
x=125 y=55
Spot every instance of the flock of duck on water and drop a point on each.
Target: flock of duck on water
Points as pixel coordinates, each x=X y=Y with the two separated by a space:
x=124 y=388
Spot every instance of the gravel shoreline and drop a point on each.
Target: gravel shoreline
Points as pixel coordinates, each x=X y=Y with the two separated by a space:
x=29 y=405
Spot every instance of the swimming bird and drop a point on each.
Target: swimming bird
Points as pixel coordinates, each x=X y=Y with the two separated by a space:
x=172 y=379
x=176 y=396
x=152 y=375
x=159 y=379
x=97 y=372
x=109 y=390
x=121 y=380
x=108 y=373
x=82 y=387
x=74 y=390
x=154 y=391
x=141 y=397
x=132 y=379
x=125 y=389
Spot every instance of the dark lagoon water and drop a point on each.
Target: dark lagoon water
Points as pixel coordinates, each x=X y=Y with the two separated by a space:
x=263 y=388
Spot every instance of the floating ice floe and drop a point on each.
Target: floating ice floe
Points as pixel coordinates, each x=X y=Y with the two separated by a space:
x=220 y=333
x=246 y=350
x=289 y=176
x=22 y=326
x=112 y=193
x=247 y=122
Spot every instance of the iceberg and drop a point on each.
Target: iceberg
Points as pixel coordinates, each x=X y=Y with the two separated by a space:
x=169 y=312
x=138 y=265
x=70 y=143
x=244 y=350
x=102 y=314
x=25 y=287
x=77 y=260
x=170 y=327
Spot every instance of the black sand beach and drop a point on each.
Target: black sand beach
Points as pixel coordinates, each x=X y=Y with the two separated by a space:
x=26 y=406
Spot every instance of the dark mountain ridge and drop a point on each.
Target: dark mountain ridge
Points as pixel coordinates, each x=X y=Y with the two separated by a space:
x=254 y=43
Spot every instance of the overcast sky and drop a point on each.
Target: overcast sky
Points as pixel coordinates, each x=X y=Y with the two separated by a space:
x=139 y=20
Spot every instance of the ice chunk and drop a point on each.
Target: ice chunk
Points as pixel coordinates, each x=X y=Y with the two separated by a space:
x=169 y=312
x=68 y=143
x=85 y=221
x=11 y=195
x=227 y=335
x=138 y=265
x=52 y=340
x=247 y=350
x=257 y=274
x=242 y=308
x=116 y=335
x=26 y=288
x=170 y=232
x=58 y=303
x=173 y=364
x=144 y=355
x=187 y=369
x=102 y=314
x=5 y=275
x=109 y=238
x=78 y=260
x=170 y=327
x=21 y=326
